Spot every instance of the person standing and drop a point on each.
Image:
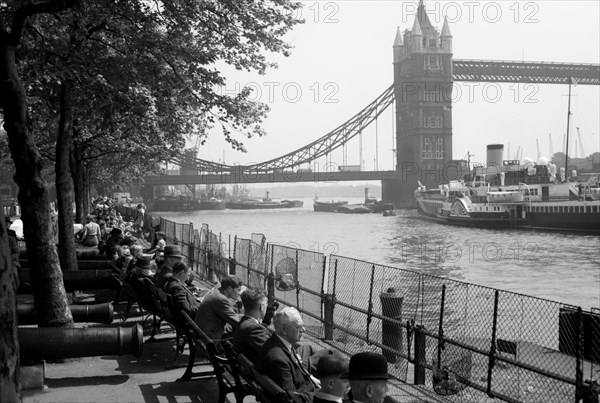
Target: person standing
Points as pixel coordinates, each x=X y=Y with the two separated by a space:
x=138 y=221
x=279 y=360
x=368 y=377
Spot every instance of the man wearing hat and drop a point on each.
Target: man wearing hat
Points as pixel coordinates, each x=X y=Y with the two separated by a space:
x=172 y=255
x=368 y=377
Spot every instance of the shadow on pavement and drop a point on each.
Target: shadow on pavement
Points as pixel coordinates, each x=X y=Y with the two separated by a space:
x=86 y=381
x=196 y=391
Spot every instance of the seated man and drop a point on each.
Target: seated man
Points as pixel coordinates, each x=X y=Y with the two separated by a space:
x=216 y=309
x=183 y=298
x=368 y=377
x=333 y=388
x=278 y=358
x=171 y=255
x=252 y=332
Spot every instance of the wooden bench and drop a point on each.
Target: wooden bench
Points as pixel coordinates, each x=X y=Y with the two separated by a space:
x=263 y=387
x=223 y=369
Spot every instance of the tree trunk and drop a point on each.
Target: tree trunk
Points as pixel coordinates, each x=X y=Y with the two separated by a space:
x=10 y=385
x=77 y=173
x=46 y=277
x=64 y=182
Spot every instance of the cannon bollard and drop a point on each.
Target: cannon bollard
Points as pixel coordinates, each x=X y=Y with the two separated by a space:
x=97 y=313
x=391 y=308
x=87 y=254
x=50 y=343
x=81 y=264
x=80 y=280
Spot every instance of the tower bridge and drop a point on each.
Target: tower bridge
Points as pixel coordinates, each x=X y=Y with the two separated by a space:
x=424 y=73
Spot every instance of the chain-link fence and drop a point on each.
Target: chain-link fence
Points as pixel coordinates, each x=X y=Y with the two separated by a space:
x=467 y=342
x=298 y=281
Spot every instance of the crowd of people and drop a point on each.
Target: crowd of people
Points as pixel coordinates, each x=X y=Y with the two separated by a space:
x=269 y=337
x=272 y=339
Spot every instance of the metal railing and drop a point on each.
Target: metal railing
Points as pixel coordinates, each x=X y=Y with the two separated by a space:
x=463 y=340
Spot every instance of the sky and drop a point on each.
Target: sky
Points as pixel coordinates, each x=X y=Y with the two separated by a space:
x=342 y=60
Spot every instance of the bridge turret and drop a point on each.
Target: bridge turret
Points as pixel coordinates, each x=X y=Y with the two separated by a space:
x=416 y=38
x=446 y=37
x=423 y=93
x=399 y=51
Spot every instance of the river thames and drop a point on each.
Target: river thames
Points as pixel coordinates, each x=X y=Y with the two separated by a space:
x=555 y=266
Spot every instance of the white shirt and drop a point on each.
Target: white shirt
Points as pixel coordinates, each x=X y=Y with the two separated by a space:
x=327 y=396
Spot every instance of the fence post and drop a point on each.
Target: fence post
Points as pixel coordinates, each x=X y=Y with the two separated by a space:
x=578 y=357
x=440 y=345
x=232 y=262
x=329 y=305
x=271 y=287
x=420 y=358
x=391 y=331
x=492 y=355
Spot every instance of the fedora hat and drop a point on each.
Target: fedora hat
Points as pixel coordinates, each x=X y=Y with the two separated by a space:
x=172 y=251
x=367 y=366
x=143 y=262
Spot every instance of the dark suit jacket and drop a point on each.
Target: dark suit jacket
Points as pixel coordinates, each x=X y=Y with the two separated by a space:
x=182 y=297
x=249 y=336
x=215 y=311
x=275 y=361
x=161 y=278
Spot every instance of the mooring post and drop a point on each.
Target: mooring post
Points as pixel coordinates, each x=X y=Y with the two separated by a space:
x=328 y=308
x=391 y=330
x=420 y=359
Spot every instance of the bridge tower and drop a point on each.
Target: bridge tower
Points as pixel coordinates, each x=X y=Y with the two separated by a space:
x=423 y=92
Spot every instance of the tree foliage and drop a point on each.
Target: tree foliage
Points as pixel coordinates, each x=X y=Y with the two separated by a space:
x=146 y=76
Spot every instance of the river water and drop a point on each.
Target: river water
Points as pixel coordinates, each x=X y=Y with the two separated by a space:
x=555 y=266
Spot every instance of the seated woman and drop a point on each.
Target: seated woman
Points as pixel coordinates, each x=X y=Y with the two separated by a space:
x=122 y=258
x=91 y=232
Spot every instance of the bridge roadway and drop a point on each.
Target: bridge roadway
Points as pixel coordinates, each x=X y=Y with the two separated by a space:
x=242 y=177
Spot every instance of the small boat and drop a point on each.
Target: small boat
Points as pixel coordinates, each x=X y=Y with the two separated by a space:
x=329 y=206
x=354 y=209
x=212 y=204
x=173 y=203
x=256 y=204
x=293 y=203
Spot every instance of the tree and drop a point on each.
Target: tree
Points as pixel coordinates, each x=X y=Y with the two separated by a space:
x=137 y=78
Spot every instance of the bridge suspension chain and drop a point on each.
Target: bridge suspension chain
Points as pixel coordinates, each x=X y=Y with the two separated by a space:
x=310 y=152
